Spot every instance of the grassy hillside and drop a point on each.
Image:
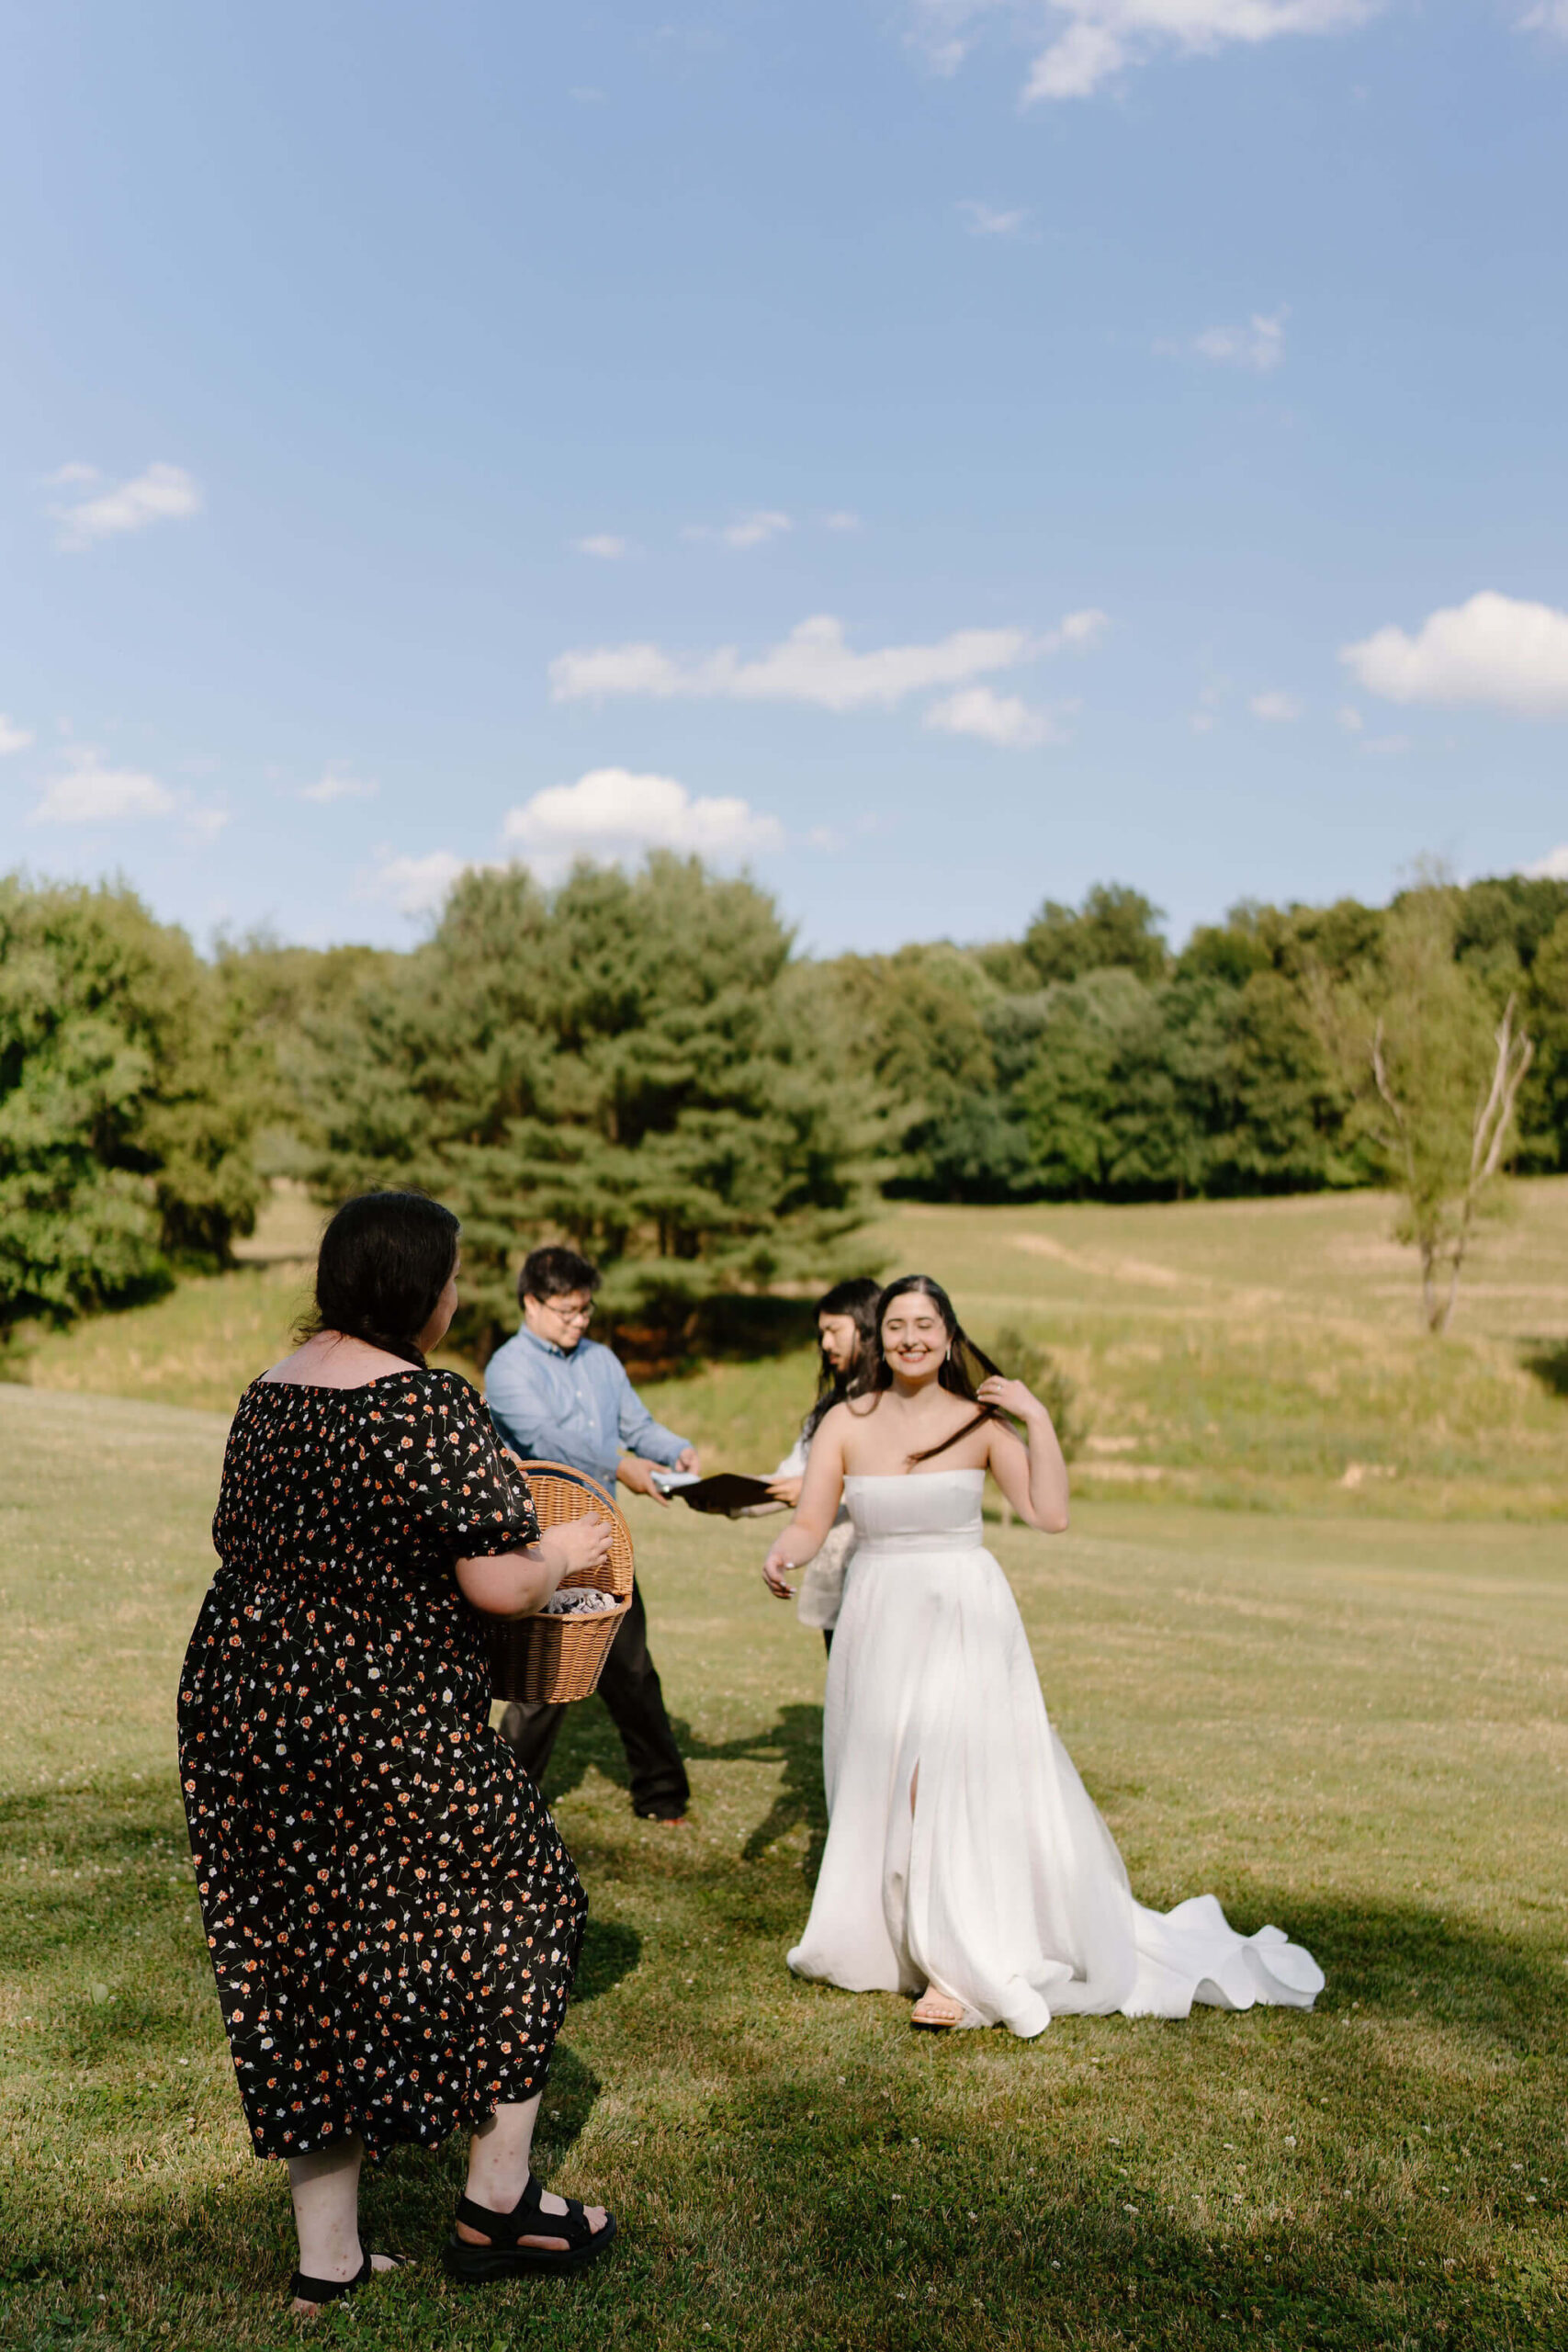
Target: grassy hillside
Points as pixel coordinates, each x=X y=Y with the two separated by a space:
x=1355 y=1730
x=1253 y=1354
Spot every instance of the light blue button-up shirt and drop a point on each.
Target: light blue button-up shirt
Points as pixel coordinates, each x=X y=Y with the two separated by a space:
x=581 y=1409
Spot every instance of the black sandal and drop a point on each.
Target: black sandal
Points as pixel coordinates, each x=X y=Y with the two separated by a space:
x=332 y=2291
x=504 y=2255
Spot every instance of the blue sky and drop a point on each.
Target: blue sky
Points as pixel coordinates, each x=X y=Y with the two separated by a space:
x=940 y=453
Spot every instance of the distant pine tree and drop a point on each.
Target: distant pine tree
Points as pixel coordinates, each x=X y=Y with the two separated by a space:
x=619 y=1062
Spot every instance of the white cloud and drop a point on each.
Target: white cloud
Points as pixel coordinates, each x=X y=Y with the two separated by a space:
x=90 y=794
x=334 y=785
x=842 y=518
x=1077 y=632
x=1003 y=720
x=1550 y=17
x=206 y=824
x=984 y=220
x=1494 y=649
x=1277 y=710
x=1350 y=718
x=612 y=813
x=1552 y=867
x=1089 y=41
x=1260 y=345
x=1078 y=60
x=814 y=665
x=160 y=495
x=604 y=544
x=12 y=736
x=71 y=476
x=415 y=886
x=753 y=530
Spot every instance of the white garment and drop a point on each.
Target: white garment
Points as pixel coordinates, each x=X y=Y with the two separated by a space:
x=1004 y=1889
x=821 y=1589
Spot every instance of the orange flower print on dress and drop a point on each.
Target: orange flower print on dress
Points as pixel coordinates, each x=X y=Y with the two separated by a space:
x=365 y=1846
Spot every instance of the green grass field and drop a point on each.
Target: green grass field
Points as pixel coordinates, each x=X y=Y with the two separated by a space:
x=1255 y=1355
x=1352 y=1726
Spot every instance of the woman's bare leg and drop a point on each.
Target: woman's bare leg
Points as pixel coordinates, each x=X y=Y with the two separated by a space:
x=498 y=2173
x=325 y=2189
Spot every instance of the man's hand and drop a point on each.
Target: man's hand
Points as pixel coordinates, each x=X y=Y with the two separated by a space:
x=637 y=1474
x=688 y=1461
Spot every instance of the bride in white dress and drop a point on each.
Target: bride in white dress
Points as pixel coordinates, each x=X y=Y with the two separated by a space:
x=965 y=1862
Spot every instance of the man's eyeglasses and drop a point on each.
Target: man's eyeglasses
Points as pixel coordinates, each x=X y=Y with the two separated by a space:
x=570 y=1314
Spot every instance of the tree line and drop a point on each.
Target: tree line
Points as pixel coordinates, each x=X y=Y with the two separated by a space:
x=639 y=1061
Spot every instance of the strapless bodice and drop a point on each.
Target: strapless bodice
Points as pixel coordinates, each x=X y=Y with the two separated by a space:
x=929 y=1511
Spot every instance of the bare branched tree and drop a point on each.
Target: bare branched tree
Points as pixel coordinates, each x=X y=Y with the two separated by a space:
x=1441 y=1213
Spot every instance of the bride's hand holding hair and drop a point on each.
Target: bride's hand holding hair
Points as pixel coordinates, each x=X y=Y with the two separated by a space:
x=1033 y=1477
x=1014 y=1397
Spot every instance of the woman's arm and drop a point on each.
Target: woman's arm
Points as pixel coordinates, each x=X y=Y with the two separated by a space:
x=1035 y=1482
x=820 y=1490
x=518 y=1584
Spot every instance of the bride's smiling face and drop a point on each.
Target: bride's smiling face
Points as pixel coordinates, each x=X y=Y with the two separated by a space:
x=914 y=1337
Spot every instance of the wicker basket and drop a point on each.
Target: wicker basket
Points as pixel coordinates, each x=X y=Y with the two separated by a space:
x=562 y=1657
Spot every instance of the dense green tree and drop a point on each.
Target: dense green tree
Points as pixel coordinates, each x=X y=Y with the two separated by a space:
x=272 y=995
x=1543 y=1098
x=124 y=1124
x=621 y=1062
x=1088 y=1029
x=1114 y=928
x=1508 y=931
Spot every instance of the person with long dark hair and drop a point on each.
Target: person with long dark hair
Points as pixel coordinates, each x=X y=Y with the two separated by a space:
x=966 y=1862
x=392 y=1918
x=846 y=1338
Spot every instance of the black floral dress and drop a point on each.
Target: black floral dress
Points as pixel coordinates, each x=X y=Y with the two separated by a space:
x=393 y=1917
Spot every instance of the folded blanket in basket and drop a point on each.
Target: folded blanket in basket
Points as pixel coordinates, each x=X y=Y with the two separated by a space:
x=578 y=1600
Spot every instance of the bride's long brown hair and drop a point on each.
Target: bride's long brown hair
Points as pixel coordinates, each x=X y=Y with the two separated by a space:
x=955 y=1374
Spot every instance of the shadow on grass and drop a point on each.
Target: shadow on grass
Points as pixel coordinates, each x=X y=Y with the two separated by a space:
x=975 y=2250
x=610 y=1950
x=795 y=1742
x=589 y=1740
x=1548 y=1358
x=1398 y=1961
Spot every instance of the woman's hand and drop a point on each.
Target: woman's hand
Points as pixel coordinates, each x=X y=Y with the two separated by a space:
x=577 y=1544
x=776 y=1571
x=785 y=1490
x=1012 y=1396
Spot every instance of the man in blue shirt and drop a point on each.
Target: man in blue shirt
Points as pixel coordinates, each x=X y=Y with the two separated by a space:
x=557 y=1395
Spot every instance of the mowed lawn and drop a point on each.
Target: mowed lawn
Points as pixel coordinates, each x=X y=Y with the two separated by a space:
x=1353 y=1727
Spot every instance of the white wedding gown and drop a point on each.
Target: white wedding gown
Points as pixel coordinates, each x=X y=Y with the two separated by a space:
x=1003 y=1888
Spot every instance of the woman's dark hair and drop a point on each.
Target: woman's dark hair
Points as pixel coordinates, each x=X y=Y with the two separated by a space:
x=384 y=1261
x=955 y=1374
x=857 y=1299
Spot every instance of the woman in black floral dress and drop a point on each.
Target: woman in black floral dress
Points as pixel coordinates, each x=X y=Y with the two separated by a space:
x=393 y=1917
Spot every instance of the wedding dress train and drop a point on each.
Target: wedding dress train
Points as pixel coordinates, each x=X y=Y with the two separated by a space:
x=1001 y=1885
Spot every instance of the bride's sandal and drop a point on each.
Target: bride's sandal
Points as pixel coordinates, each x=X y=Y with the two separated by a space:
x=311 y=2293
x=937 y=2012
x=506 y=2255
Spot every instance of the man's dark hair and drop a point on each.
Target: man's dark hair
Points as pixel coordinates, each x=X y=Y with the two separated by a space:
x=552 y=1270
x=383 y=1264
